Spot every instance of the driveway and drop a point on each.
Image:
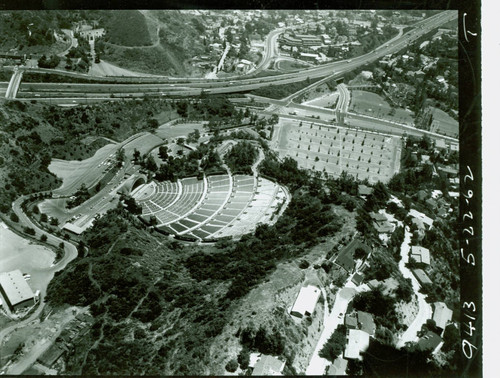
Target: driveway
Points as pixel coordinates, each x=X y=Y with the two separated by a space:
x=424 y=308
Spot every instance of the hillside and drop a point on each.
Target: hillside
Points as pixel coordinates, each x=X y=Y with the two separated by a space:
x=126 y=28
x=29 y=32
x=32 y=134
x=170 y=39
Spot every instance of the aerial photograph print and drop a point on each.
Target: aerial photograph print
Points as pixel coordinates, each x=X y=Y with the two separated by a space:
x=231 y=192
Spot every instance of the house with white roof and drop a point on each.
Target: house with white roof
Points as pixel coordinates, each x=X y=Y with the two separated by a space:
x=306 y=301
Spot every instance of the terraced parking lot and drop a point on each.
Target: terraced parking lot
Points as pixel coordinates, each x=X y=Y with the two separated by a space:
x=217 y=206
x=332 y=149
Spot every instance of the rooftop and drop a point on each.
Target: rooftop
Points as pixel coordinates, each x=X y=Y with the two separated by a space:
x=358 y=341
x=268 y=365
x=421 y=276
x=338 y=368
x=442 y=314
x=430 y=341
x=420 y=254
x=306 y=301
x=15 y=287
x=366 y=322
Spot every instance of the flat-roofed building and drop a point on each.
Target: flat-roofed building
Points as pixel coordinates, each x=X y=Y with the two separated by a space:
x=421 y=277
x=306 y=301
x=420 y=254
x=15 y=290
x=358 y=341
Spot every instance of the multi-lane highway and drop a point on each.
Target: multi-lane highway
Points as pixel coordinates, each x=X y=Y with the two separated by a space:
x=189 y=87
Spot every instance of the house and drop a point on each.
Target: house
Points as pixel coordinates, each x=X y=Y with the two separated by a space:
x=366 y=323
x=390 y=286
x=430 y=341
x=52 y=354
x=424 y=218
x=345 y=258
x=440 y=144
x=436 y=193
x=309 y=57
x=306 y=301
x=15 y=290
x=351 y=321
x=449 y=171
x=442 y=315
x=421 y=277
x=420 y=254
x=357 y=341
x=421 y=195
x=357 y=279
x=268 y=365
x=432 y=203
x=364 y=190
x=381 y=224
x=338 y=368
x=372 y=284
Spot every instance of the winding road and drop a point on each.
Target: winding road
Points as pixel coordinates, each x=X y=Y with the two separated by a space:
x=424 y=308
x=70 y=253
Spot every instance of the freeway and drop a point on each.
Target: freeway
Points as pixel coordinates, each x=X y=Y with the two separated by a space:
x=230 y=85
x=13 y=86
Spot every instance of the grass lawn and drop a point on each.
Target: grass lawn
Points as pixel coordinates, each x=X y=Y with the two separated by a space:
x=372 y=104
x=286 y=65
x=443 y=124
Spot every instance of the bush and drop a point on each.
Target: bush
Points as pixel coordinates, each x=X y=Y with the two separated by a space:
x=29 y=231
x=232 y=365
x=43 y=238
x=304 y=264
x=14 y=217
x=335 y=344
x=244 y=358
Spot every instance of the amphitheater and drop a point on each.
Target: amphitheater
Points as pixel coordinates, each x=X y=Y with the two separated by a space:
x=212 y=208
x=365 y=155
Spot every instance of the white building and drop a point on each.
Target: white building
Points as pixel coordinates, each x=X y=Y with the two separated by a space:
x=358 y=341
x=15 y=290
x=442 y=315
x=424 y=218
x=306 y=301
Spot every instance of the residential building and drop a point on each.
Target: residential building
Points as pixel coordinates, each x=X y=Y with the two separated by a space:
x=268 y=365
x=420 y=254
x=421 y=277
x=15 y=290
x=357 y=279
x=357 y=341
x=430 y=341
x=364 y=190
x=442 y=315
x=366 y=323
x=424 y=218
x=351 y=321
x=338 y=368
x=306 y=301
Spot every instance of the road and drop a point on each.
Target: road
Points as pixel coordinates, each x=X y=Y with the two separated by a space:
x=70 y=253
x=424 y=308
x=14 y=83
x=317 y=364
x=243 y=84
x=30 y=357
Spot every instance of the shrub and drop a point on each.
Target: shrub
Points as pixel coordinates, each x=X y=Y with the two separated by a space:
x=232 y=365
x=14 y=217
